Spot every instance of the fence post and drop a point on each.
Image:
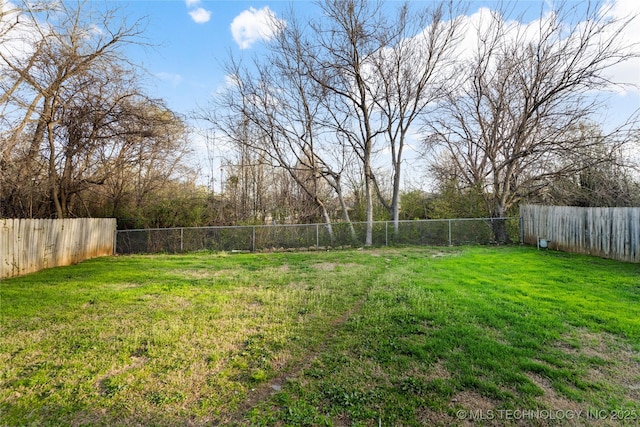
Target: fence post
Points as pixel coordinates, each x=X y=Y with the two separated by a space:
x=253 y=239
x=317 y=237
x=386 y=233
x=181 y=239
x=450 y=244
x=115 y=242
x=521 y=230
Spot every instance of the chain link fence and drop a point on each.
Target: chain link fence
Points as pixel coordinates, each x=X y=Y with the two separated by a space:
x=281 y=237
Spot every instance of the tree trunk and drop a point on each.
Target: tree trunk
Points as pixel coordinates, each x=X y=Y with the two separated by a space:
x=499 y=225
x=395 y=200
x=335 y=183
x=369 y=201
x=53 y=173
x=327 y=219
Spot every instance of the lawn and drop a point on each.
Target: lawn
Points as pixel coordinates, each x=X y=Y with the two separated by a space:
x=399 y=336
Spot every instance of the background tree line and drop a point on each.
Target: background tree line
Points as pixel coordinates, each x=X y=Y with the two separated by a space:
x=318 y=128
x=80 y=137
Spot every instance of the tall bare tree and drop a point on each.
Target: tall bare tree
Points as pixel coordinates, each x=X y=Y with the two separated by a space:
x=338 y=58
x=379 y=70
x=528 y=88
x=411 y=72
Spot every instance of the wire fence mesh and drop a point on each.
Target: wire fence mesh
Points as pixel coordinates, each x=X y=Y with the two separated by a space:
x=312 y=236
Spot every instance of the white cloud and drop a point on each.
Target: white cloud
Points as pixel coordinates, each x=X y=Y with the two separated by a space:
x=628 y=71
x=231 y=80
x=174 y=79
x=625 y=73
x=18 y=33
x=254 y=25
x=200 y=15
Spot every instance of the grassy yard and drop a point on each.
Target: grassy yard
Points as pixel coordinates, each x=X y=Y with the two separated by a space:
x=412 y=336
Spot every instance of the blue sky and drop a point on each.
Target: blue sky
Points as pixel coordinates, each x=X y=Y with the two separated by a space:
x=191 y=41
x=193 y=38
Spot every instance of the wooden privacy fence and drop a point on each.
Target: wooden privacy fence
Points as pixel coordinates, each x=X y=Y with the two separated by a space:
x=29 y=245
x=604 y=232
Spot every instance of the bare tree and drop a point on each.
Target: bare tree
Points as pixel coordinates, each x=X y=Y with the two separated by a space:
x=80 y=137
x=528 y=88
x=139 y=155
x=282 y=106
x=609 y=183
x=412 y=72
x=338 y=58
x=380 y=71
x=64 y=92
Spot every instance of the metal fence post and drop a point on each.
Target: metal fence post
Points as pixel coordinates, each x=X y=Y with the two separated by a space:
x=317 y=236
x=182 y=240
x=386 y=233
x=253 y=239
x=450 y=244
x=521 y=230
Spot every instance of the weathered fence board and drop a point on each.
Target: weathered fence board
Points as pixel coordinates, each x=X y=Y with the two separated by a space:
x=29 y=245
x=605 y=232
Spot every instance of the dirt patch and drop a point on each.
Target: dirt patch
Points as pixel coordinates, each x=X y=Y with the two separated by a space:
x=136 y=362
x=621 y=364
x=284 y=268
x=480 y=405
x=438 y=371
x=332 y=266
x=383 y=252
x=471 y=399
x=181 y=302
x=325 y=266
x=551 y=398
x=440 y=254
x=298 y=286
x=427 y=252
x=435 y=372
x=430 y=417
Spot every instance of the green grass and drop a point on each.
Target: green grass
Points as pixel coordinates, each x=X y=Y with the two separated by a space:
x=406 y=336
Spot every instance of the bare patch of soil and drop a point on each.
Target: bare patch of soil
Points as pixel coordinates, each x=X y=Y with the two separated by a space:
x=438 y=371
x=480 y=405
x=430 y=417
x=331 y=266
x=621 y=367
x=325 y=266
x=551 y=398
x=136 y=362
